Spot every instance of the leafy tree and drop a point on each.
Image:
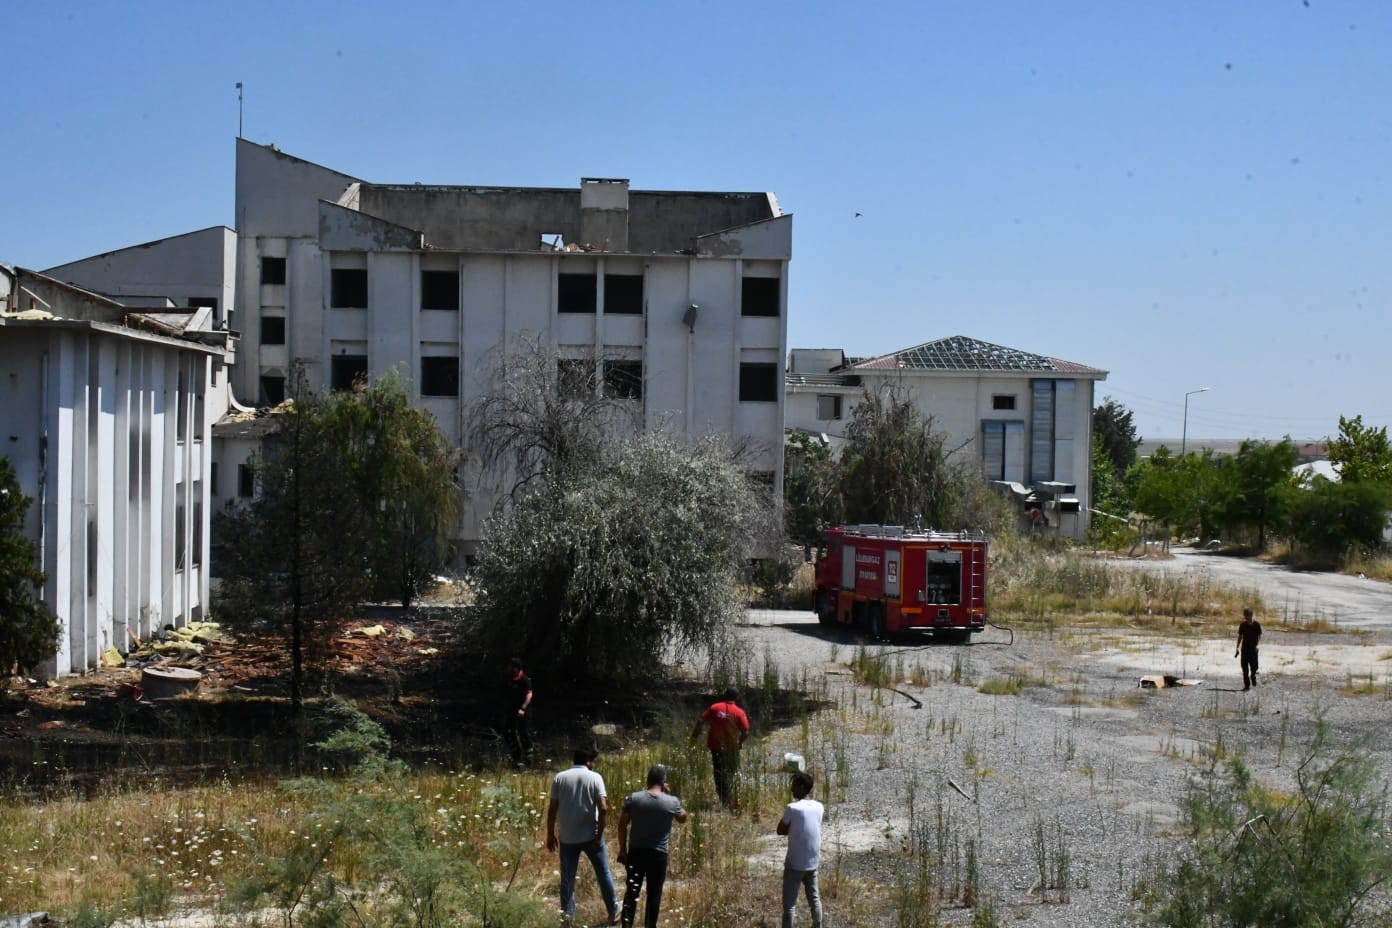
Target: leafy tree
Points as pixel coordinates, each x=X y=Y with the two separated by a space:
x=344 y=476
x=1255 y=487
x=1332 y=518
x=894 y=465
x=1115 y=433
x=1259 y=858
x=1361 y=452
x=606 y=569
x=404 y=471
x=1177 y=490
x=811 y=492
x=28 y=631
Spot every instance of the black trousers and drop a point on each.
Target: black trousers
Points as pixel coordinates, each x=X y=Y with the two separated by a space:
x=650 y=864
x=725 y=765
x=519 y=737
x=1249 y=667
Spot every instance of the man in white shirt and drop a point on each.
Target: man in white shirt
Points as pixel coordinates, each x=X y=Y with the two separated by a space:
x=802 y=823
x=578 y=806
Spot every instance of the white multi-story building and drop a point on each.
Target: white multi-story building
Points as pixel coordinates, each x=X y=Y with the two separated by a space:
x=678 y=298
x=1025 y=417
x=106 y=415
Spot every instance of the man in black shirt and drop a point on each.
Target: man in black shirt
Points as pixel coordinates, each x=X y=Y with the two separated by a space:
x=519 y=701
x=1248 y=636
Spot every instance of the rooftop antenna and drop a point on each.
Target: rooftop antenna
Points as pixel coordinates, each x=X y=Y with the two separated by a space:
x=239 y=109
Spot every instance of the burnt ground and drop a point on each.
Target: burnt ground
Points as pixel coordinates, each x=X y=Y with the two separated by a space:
x=439 y=703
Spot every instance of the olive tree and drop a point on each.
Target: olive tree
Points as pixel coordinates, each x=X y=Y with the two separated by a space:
x=615 y=548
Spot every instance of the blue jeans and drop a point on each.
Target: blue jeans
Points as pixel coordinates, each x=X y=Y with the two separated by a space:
x=570 y=863
x=793 y=880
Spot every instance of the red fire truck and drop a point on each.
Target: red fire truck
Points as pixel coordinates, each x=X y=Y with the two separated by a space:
x=884 y=579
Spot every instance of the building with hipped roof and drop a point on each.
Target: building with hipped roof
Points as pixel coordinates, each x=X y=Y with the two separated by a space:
x=1025 y=418
x=106 y=415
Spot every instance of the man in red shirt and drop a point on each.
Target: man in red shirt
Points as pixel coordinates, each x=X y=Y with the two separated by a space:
x=726 y=728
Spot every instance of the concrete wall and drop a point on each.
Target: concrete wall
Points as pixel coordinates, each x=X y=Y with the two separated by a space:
x=90 y=417
x=197 y=265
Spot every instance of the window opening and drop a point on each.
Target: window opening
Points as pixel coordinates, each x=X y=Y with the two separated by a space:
x=759 y=296
x=345 y=370
x=272 y=270
x=440 y=290
x=623 y=294
x=439 y=376
x=623 y=380
x=758 y=382
x=272 y=330
x=575 y=293
x=348 y=288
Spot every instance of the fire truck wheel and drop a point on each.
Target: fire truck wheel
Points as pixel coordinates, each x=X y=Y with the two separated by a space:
x=825 y=611
x=874 y=623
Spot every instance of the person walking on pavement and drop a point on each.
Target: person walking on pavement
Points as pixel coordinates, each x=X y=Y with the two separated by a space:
x=575 y=819
x=649 y=813
x=519 y=701
x=802 y=824
x=1248 y=637
x=727 y=727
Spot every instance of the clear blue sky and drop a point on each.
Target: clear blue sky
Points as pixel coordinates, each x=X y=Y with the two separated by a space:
x=1187 y=194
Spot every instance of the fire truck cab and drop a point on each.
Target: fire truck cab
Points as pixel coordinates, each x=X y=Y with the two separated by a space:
x=884 y=579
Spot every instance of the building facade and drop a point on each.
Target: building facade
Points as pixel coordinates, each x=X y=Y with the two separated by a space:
x=1025 y=418
x=678 y=299
x=107 y=421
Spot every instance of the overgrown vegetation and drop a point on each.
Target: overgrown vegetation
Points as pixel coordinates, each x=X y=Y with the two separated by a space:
x=355 y=495
x=895 y=468
x=613 y=549
x=28 y=630
x=1259 y=857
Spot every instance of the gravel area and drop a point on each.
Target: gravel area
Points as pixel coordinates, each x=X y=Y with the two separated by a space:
x=1082 y=755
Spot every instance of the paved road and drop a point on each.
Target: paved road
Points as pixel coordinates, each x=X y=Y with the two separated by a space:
x=1352 y=602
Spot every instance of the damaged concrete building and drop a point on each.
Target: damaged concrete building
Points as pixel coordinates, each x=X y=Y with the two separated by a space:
x=678 y=299
x=106 y=414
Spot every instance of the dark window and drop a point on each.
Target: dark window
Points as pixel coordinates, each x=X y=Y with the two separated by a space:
x=92 y=559
x=828 y=406
x=439 y=377
x=759 y=296
x=272 y=270
x=199 y=412
x=623 y=380
x=181 y=408
x=575 y=378
x=440 y=290
x=246 y=481
x=197 y=558
x=272 y=330
x=203 y=302
x=180 y=538
x=212 y=475
x=1003 y=401
x=575 y=293
x=348 y=288
x=623 y=294
x=272 y=390
x=346 y=370
x=758 y=383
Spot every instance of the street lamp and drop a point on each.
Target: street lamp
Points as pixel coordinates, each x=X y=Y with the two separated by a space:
x=1184 y=433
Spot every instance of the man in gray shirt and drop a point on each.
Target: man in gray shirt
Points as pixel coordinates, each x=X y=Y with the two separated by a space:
x=648 y=814
x=578 y=806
